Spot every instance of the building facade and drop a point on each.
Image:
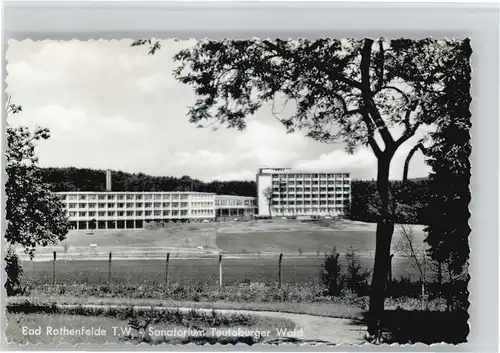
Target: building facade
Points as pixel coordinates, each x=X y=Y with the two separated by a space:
x=284 y=192
x=131 y=210
x=237 y=206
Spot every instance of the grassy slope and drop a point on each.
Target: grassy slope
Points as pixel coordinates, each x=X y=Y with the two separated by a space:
x=292 y=241
x=254 y=236
x=182 y=235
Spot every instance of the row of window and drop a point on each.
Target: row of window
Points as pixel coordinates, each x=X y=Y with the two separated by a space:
x=301 y=195
x=337 y=202
x=195 y=213
x=322 y=175
x=138 y=213
x=202 y=197
x=119 y=197
x=309 y=196
x=201 y=204
x=234 y=202
x=141 y=205
x=308 y=210
x=309 y=189
x=309 y=183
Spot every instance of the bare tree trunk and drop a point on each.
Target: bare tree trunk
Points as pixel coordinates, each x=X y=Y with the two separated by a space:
x=385 y=230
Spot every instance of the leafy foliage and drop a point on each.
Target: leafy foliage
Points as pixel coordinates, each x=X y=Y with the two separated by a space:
x=410 y=200
x=35 y=216
x=154 y=45
x=331 y=274
x=140 y=326
x=355 y=277
x=14 y=272
x=448 y=231
x=323 y=79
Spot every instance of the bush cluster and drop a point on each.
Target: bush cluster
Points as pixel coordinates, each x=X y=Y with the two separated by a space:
x=14 y=272
x=353 y=278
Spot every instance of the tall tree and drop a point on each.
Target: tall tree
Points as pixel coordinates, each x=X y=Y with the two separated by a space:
x=35 y=215
x=352 y=91
x=448 y=231
x=268 y=195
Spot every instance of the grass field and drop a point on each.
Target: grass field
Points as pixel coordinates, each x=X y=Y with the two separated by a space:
x=138 y=255
x=276 y=236
x=190 y=271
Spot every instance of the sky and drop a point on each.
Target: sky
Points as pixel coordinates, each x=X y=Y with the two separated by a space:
x=112 y=106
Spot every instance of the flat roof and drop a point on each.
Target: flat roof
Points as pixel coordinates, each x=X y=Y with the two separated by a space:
x=135 y=192
x=153 y=192
x=295 y=171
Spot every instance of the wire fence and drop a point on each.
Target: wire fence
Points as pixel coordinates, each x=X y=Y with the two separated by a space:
x=167 y=268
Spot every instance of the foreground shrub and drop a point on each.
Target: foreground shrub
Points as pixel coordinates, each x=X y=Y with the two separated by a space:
x=14 y=274
x=355 y=277
x=331 y=275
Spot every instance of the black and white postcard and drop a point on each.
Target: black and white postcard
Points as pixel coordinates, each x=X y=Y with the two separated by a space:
x=238 y=191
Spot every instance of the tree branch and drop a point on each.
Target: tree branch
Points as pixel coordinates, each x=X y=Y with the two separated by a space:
x=332 y=74
x=408 y=235
x=406 y=119
x=409 y=132
x=373 y=144
x=368 y=95
x=380 y=81
x=344 y=105
x=365 y=66
x=394 y=88
x=371 y=140
x=409 y=157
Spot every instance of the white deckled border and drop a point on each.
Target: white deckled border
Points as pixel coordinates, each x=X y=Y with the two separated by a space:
x=100 y=20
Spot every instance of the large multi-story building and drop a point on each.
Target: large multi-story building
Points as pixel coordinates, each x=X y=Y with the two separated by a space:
x=130 y=210
x=284 y=192
x=280 y=192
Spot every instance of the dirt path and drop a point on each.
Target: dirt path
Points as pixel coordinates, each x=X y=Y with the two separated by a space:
x=316 y=329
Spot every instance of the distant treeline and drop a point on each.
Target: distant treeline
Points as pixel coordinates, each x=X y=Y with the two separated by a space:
x=82 y=179
x=410 y=199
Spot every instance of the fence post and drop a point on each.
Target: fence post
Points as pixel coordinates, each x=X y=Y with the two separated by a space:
x=279 y=269
x=166 y=269
x=54 y=270
x=109 y=273
x=220 y=270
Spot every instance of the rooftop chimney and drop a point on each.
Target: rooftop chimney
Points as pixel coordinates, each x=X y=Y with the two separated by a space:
x=108 y=180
